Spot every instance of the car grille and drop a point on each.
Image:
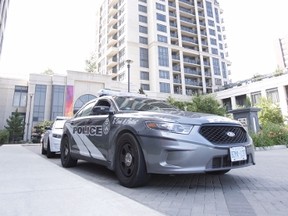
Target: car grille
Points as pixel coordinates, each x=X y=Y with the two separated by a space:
x=225 y=162
x=219 y=134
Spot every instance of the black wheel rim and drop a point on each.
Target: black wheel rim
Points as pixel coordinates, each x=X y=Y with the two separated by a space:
x=127 y=160
x=66 y=149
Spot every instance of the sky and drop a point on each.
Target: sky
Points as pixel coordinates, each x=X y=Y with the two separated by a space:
x=60 y=35
x=48 y=34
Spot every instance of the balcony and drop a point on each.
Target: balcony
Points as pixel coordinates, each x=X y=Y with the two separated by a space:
x=112 y=62
x=112 y=51
x=192 y=71
x=112 y=21
x=112 y=2
x=113 y=30
x=112 y=11
x=112 y=41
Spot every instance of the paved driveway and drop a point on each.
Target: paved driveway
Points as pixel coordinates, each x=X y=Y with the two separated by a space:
x=258 y=190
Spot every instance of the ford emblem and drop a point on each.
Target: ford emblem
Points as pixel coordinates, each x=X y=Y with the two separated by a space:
x=230 y=134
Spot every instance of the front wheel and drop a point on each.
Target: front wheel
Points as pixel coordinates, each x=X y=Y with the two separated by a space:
x=66 y=159
x=130 y=166
x=49 y=153
x=43 y=151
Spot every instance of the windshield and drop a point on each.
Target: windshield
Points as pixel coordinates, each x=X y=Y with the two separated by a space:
x=142 y=104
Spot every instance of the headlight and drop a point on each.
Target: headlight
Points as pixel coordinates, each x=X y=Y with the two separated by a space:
x=57 y=136
x=170 y=127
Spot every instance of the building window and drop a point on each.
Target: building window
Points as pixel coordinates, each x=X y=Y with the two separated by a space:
x=217 y=15
x=39 y=103
x=161 y=17
x=211 y=23
x=143 y=29
x=224 y=71
x=164 y=74
x=218 y=82
x=164 y=87
x=20 y=96
x=162 y=38
x=143 y=40
x=145 y=1
x=221 y=46
x=213 y=41
x=58 y=93
x=212 y=32
x=161 y=28
x=272 y=95
x=142 y=8
x=214 y=51
x=142 y=19
x=144 y=75
x=163 y=56
x=209 y=9
x=160 y=7
x=218 y=29
x=145 y=87
x=144 y=60
x=220 y=37
x=255 y=97
x=216 y=66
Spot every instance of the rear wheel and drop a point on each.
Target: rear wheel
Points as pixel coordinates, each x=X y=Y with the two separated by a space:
x=220 y=172
x=43 y=151
x=49 y=153
x=66 y=159
x=130 y=165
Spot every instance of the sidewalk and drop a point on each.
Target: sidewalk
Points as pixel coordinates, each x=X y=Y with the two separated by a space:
x=31 y=185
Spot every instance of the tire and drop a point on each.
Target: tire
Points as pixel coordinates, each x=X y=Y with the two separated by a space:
x=220 y=172
x=66 y=159
x=49 y=153
x=43 y=151
x=130 y=166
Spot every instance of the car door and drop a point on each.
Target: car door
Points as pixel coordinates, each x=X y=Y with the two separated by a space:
x=99 y=128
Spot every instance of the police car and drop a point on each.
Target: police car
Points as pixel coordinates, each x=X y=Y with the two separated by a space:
x=137 y=136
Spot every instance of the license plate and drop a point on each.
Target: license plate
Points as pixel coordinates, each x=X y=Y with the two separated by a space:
x=238 y=153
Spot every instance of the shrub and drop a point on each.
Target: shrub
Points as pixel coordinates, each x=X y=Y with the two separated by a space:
x=4 y=136
x=271 y=134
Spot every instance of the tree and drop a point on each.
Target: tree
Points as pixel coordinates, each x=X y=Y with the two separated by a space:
x=39 y=129
x=91 y=64
x=48 y=72
x=269 y=113
x=200 y=103
x=15 y=127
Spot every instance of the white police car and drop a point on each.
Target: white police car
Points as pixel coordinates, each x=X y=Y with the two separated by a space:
x=136 y=136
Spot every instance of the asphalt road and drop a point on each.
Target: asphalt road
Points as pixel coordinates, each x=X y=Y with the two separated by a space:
x=257 y=190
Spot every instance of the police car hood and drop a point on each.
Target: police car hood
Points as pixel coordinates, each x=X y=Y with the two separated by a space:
x=187 y=117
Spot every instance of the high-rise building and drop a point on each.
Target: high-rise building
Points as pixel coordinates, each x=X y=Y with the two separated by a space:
x=171 y=46
x=3 y=16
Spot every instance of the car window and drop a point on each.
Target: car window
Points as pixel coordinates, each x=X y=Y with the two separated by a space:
x=141 y=104
x=86 y=110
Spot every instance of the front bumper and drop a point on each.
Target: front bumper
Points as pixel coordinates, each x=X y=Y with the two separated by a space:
x=165 y=155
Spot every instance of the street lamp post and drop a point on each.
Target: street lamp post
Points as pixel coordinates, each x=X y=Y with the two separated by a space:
x=128 y=61
x=29 y=116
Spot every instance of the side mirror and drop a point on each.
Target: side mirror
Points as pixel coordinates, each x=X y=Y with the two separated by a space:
x=101 y=110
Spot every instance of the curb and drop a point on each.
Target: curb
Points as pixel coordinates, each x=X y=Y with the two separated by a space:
x=275 y=147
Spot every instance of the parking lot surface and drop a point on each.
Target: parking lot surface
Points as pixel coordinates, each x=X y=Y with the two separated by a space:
x=257 y=190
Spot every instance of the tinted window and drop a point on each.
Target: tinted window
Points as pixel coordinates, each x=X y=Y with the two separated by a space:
x=141 y=104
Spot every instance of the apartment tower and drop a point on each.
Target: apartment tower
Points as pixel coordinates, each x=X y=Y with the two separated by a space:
x=165 y=47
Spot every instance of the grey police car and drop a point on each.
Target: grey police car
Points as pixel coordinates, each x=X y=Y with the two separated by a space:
x=136 y=136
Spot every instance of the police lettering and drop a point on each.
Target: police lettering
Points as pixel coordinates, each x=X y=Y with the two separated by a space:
x=89 y=130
